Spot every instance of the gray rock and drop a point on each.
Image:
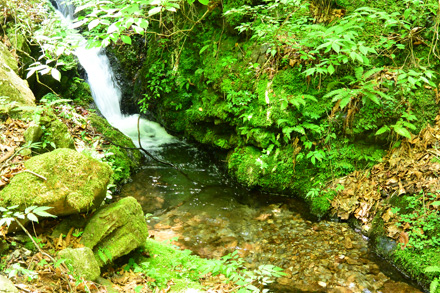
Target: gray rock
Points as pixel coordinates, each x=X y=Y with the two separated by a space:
x=6 y=286
x=82 y=261
x=385 y=246
x=115 y=230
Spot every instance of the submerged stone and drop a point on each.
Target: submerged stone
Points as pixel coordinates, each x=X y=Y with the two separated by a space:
x=75 y=183
x=82 y=262
x=115 y=230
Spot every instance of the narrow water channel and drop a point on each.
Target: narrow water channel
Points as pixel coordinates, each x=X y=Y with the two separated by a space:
x=210 y=215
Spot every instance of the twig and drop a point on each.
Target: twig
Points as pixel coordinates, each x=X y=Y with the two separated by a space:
x=33 y=173
x=41 y=250
x=156 y=159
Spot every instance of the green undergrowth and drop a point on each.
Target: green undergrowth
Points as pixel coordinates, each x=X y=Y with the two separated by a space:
x=294 y=102
x=166 y=262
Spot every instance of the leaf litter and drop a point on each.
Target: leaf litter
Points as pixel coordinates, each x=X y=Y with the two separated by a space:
x=412 y=168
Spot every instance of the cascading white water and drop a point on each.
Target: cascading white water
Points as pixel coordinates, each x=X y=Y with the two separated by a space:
x=107 y=95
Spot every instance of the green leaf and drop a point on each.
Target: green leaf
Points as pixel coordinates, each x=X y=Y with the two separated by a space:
x=126 y=39
x=383 y=129
x=32 y=217
x=331 y=69
x=407 y=13
x=432 y=269
x=44 y=214
x=93 y=24
x=358 y=72
x=344 y=102
x=138 y=29
x=143 y=23
x=436 y=204
x=363 y=50
x=29 y=209
x=154 y=10
x=402 y=131
x=371 y=72
x=190 y=2
x=55 y=74
x=434 y=285
x=204 y=2
x=114 y=27
x=336 y=47
x=204 y=48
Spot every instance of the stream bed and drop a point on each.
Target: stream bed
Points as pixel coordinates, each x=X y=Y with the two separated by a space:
x=209 y=214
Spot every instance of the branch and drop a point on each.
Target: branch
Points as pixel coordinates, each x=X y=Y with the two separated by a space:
x=184 y=30
x=41 y=250
x=158 y=160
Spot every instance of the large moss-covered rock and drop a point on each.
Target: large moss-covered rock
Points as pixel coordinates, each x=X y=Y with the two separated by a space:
x=75 y=183
x=115 y=230
x=82 y=262
x=12 y=87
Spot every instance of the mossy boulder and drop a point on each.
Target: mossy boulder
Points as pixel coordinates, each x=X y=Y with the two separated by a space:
x=75 y=183
x=59 y=134
x=82 y=262
x=12 y=87
x=7 y=58
x=33 y=133
x=115 y=230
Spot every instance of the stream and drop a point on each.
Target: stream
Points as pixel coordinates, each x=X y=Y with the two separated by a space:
x=214 y=216
x=209 y=214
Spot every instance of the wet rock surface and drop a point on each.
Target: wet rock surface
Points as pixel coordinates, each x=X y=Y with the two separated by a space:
x=213 y=220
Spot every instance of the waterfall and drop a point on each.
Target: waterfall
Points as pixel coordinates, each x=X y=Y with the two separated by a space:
x=106 y=92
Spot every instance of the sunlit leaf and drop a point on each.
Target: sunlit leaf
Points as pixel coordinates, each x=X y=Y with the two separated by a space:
x=56 y=74
x=154 y=11
x=32 y=217
x=383 y=129
x=93 y=24
x=402 y=131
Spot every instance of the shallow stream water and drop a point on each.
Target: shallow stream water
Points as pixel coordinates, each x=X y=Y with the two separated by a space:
x=212 y=216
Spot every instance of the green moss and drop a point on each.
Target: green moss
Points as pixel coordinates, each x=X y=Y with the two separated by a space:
x=58 y=133
x=414 y=262
x=115 y=230
x=167 y=263
x=73 y=181
x=123 y=161
x=242 y=162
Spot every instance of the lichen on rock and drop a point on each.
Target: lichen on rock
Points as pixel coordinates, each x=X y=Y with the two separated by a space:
x=75 y=183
